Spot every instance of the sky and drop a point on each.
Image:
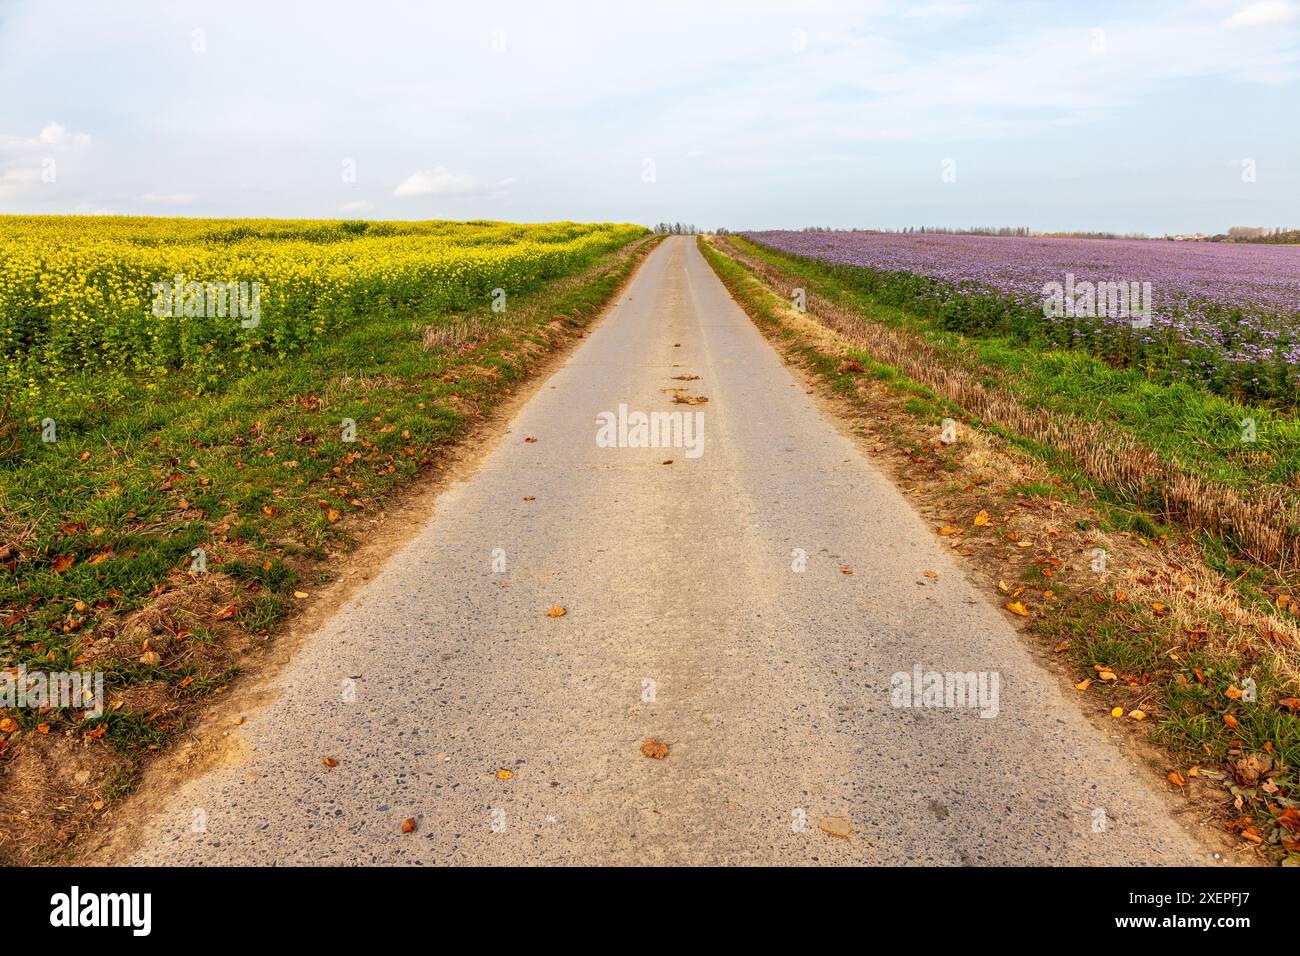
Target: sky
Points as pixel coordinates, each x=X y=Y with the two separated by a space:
x=1154 y=117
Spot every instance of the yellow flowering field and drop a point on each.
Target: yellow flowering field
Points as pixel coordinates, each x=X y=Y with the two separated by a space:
x=79 y=296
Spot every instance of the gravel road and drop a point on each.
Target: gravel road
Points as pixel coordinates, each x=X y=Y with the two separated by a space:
x=686 y=621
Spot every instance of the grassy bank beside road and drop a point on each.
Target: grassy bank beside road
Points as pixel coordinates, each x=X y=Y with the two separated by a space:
x=162 y=537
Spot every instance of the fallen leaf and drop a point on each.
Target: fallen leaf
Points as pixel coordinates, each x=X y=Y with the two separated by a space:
x=845 y=569
x=226 y=613
x=63 y=562
x=1233 y=693
x=556 y=611
x=1117 y=712
x=1083 y=684
x=530 y=440
x=667 y=461
x=8 y=725
x=838 y=827
x=1231 y=721
x=300 y=594
x=505 y=774
x=331 y=515
x=1016 y=607
x=981 y=519
x=329 y=761
x=1290 y=703
x=408 y=825
x=1158 y=608
x=654 y=749
x=690 y=400
x=1138 y=714
x=931 y=574
x=1176 y=779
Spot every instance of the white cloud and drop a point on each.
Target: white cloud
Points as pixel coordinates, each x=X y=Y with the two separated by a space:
x=442 y=182
x=357 y=205
x=34 y=167
x=56 y=134
x=1257 y=14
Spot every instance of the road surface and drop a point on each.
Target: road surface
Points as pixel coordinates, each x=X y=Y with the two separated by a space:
x=686 y=622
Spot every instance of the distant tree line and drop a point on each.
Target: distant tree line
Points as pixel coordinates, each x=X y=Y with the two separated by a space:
x=1259 y=234
x=677 y=228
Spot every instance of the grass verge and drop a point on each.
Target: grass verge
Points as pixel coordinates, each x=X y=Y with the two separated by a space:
x=162 y=541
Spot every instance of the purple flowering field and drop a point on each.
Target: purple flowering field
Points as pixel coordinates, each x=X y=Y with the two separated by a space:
x=1225 y=314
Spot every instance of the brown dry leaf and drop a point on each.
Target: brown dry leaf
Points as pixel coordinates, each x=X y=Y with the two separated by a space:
x=1106 y=675
x=1231 y=721
x=981 y=519
x=1290 y=703
x=1016 y=607
x=329 y=761
x=1233 y=693
x=1176 y=779
x=685 y=378
x=226 y=613
x=42 y=728
x=8 y=725
x=931 y=574
x=838 y=827
x=1158 y=608
x=504 y=774
x=1117 y=712
x=690 y=400
x=332 y=515
x=150 y=658
x=845 y=569
x=530 y=440
x=948 y=529
x=408 y=825
x=654 y=749
x=1083 y=684
x=556 y=611
x=1004 y=587
x=667 y=461
x=1138 y=714
x=63 y=562
x=300 y=594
